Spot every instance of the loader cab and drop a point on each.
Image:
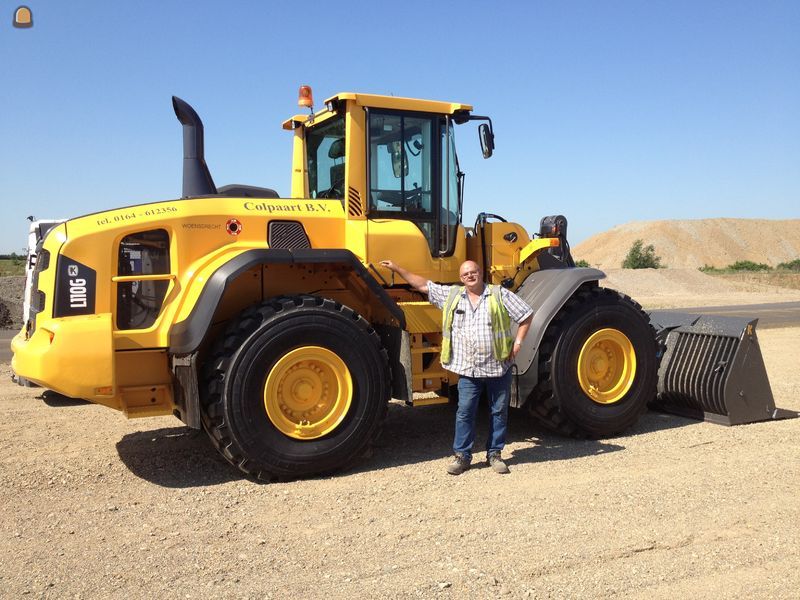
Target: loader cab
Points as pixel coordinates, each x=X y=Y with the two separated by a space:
x=392 y=163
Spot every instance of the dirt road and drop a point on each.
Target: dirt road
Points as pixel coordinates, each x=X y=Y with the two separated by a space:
x=92 y=505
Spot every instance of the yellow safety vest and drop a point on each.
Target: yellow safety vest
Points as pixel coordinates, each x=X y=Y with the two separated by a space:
x=502 y=339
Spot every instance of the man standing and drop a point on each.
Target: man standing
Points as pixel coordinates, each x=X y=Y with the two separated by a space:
x=478 y=346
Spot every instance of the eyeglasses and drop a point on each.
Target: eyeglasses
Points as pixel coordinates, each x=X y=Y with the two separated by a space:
x=469 y=274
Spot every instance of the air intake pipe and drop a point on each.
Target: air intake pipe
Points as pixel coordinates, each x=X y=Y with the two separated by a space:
x=196 y=177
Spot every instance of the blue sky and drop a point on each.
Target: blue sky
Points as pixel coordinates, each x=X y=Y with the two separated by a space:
x=605 y=111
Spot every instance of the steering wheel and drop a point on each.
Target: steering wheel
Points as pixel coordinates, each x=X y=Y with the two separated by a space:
x=414 y=196
x=393 y=197
x=335 y=191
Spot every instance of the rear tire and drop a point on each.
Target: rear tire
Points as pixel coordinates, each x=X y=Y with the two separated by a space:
x=296 y=386
x=597 y=366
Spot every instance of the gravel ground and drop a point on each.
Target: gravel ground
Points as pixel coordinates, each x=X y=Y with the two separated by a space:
x=92 y=505
x=675 y=288
x=12 y=290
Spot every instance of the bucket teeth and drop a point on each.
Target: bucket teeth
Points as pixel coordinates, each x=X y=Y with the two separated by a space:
x=712 y=369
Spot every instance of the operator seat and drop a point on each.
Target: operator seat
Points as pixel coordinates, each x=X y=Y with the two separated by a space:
x=335 y=152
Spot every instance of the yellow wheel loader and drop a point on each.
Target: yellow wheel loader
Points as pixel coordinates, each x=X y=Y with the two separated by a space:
x=269 y=323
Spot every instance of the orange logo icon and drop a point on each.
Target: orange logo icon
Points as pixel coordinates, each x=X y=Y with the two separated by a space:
x=234 y=226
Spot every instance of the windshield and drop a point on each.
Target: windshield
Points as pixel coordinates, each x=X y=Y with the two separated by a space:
x=401 y=164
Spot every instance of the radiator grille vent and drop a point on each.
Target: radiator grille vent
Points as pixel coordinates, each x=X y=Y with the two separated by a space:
x=37 y=302
x=37 y=296
x=287 y=235
x=354 y=208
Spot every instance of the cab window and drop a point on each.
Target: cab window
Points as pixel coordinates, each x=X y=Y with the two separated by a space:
x=451 y=190
x=412 y=170
x=325 y=158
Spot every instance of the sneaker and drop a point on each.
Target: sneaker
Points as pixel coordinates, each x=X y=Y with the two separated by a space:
x=497 y=463
x=459 y=465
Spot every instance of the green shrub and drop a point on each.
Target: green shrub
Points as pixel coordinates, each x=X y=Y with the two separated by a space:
x=792 y=265
x=581 y=263
x=709 y=269
x=748 y=265
x=641 y=257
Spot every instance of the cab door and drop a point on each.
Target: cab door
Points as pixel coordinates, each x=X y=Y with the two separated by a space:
x=414 y=204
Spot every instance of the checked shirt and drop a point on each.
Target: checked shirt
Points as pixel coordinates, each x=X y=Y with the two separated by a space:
x=471 y=344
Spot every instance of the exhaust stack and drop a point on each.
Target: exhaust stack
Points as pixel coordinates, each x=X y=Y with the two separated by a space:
x=196 y=177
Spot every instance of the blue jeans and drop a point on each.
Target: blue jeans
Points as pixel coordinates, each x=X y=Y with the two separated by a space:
x=498 y=390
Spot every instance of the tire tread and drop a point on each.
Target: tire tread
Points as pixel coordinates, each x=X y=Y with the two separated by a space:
x=222 y=354
x=543 y=405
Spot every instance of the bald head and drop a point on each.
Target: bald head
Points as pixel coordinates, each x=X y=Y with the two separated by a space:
x=471 y=276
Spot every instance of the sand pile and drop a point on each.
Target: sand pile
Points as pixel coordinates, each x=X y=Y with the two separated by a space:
x=694 y=243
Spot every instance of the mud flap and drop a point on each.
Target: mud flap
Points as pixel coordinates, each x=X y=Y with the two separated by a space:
x=712 y=369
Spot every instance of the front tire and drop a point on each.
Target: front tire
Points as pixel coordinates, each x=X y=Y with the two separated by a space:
x=597 y=366
x=295 y=387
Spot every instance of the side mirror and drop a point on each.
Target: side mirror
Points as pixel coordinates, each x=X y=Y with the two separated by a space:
x=487 y=139
x=399 y=159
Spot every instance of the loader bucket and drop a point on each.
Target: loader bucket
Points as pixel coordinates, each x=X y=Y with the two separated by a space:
x=712 y=369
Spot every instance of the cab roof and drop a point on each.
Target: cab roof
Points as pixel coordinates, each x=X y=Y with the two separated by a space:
x=387 y=102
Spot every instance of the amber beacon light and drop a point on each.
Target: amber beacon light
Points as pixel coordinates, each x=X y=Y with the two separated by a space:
x=305 y=98
x=23 y=17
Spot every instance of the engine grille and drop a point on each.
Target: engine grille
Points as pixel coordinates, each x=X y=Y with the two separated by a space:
x=287 y=235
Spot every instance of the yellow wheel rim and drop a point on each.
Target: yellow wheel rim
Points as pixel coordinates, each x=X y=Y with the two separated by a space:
x=606 y=366
x=308 y=392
